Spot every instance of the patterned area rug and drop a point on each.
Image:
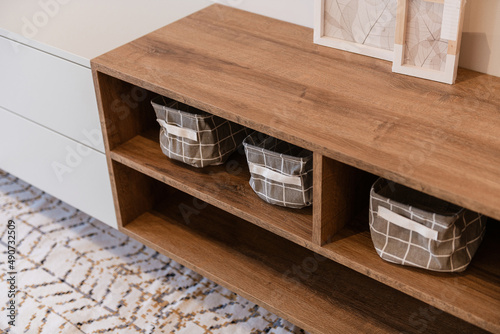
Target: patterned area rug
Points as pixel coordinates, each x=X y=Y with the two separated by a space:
x=77 y=275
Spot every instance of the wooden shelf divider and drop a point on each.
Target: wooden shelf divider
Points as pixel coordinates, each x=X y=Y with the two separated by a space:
x=334 y=196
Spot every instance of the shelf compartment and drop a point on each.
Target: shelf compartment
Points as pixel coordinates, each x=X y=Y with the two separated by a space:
x=225 y=186
x=291 y=281
x=340 y=192
x=473 y=295
x=350 y=245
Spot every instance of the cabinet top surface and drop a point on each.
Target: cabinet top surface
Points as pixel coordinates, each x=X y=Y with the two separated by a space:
x=79 y=30
x=267 y=74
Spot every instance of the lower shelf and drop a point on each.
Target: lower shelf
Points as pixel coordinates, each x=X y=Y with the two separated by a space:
x=473 y=295
x=313 y=292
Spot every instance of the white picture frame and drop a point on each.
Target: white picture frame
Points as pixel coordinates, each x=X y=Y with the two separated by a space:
x=348 y=25
x=447 y=21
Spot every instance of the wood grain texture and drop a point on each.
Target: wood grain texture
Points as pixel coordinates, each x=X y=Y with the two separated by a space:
x=134 y=195
x=317 y=295
x=334 y=197
x=224 y=186
x=402 y=13
x=136 y=192
x=268 y=75
x=128 y=109
x=473 y=295
x=123 y=113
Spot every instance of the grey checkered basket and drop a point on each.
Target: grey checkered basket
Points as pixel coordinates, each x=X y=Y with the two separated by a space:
x=415 y=229
x=193 y=136
x=280 y=173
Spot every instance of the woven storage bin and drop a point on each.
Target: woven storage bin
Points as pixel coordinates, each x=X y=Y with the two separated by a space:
x=415 y=229
x=193 y=136
x=280 y=173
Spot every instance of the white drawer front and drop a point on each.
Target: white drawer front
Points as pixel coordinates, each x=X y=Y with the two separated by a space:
x=51 y=91
x=60 y=166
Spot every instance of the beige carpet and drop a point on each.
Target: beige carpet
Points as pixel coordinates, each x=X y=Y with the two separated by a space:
x=77 y=275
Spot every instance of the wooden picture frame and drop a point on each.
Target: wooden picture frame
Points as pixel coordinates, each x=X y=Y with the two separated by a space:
x=429 y=53
x=359 y=26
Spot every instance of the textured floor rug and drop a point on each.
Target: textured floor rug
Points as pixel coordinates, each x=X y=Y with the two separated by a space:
x=77 y=275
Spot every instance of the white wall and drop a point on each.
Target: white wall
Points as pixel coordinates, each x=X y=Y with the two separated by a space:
x=480 y=49
x=294 y=11
x=79 y=30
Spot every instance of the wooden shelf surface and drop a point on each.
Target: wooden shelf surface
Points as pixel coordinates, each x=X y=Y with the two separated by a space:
x=229 y=191
x=473 y=295
x=314 y=293
x=267 y=74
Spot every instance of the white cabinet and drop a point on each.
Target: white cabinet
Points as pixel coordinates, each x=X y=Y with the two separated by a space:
x=56 y=164
x=50 y=133
x=50 y=91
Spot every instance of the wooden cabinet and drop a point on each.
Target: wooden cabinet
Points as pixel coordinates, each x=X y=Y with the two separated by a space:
x=316 y=267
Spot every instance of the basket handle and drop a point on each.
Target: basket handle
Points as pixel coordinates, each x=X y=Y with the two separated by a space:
x=406 y=223
x=178 y=131
x=272 y=175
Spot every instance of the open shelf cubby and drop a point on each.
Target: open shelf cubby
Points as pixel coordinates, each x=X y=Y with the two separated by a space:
x=296 y=283
x=317 y=266
x=224 y=186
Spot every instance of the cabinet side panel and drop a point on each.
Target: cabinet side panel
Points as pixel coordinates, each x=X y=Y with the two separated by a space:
x=124 y=109
x=124 y=112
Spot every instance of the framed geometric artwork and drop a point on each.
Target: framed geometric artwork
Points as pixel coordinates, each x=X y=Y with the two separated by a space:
x=365 y=27
x=428 y=34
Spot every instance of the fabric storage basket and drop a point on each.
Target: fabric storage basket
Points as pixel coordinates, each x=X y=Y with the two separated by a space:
x=193 y=136
x=415 y=229
x=280 y=173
